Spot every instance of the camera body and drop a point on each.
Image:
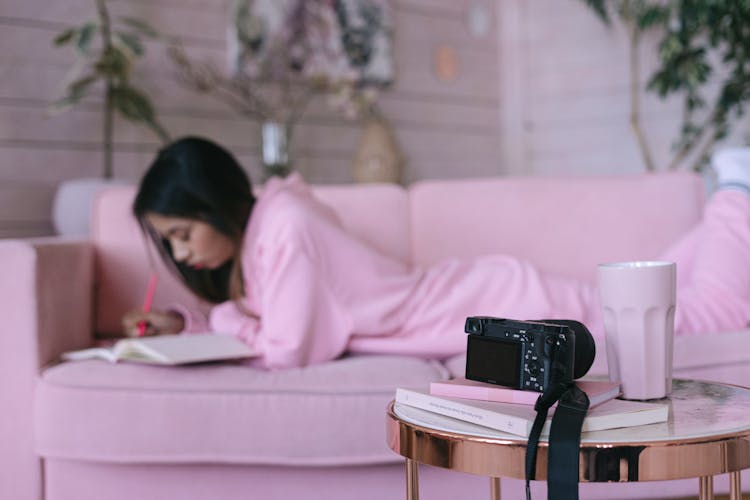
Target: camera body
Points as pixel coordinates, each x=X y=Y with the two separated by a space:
x=520 y=354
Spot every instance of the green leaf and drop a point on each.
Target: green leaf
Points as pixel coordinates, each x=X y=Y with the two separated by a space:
x=140 y=26
x=600 y=9
x=114 y=64
x=136 y=106
x=132 y=104
x=130 y=42
x=65 y=103
x=670 y=46
x=78 y=88
x=75 y=92
x=652 y=15
x=85 y=35
x=64 y=37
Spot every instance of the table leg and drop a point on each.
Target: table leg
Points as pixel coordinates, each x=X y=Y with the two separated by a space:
x=412 y=480
x=706 y=488
x=495 y=488
x=735 y=486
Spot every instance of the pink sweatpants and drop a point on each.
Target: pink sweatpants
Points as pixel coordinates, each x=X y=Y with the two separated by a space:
x=713 y=268
x=713 y=289
x=713 y=274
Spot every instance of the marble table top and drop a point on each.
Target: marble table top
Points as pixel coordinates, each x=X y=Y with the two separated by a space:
x=697 y=410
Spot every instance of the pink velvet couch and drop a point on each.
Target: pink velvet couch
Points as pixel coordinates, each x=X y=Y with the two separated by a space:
x=93 y=430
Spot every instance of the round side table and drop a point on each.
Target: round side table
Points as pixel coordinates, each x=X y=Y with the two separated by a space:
x=708 y=433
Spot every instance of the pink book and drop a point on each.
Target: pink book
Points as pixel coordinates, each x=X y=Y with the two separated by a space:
x=598 y=391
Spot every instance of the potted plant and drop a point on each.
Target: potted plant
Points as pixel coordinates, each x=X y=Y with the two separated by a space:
x=701 y=44
x=107 y=50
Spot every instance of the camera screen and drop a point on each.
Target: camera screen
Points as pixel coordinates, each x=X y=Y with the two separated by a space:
x=494 y=361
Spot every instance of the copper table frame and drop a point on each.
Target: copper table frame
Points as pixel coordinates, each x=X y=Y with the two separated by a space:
x=599 y=462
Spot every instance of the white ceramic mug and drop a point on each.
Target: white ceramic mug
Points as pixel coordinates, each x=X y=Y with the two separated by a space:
x=638 y=304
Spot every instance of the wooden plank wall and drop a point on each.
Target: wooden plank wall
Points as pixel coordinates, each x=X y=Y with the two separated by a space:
x=445 y=128
x=544 y=92
x=564 y=94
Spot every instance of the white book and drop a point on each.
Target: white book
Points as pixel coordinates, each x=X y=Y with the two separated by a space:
x=518 y=418
x=168 y=349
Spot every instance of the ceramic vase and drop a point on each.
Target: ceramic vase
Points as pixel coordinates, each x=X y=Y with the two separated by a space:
x=377 y=157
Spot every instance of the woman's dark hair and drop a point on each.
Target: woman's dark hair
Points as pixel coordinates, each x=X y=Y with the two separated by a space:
x=198 y=179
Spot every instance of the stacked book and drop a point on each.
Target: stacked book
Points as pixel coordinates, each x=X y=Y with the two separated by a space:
x=512 y=411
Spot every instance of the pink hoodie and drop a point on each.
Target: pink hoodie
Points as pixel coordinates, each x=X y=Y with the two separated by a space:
x=314 y=291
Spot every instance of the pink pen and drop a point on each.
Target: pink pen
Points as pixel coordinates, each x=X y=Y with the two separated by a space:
x=147 y=302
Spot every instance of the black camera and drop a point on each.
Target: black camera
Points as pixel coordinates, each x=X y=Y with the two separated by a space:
x=529 y=355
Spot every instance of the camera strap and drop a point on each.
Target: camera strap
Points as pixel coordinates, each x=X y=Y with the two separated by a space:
x=542 y=406
x=564 y=440
x=565 y=444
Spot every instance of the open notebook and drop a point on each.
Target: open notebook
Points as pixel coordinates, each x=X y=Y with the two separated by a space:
x=169 y=349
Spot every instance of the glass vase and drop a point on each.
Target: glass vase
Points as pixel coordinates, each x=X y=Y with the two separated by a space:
x=275 y=149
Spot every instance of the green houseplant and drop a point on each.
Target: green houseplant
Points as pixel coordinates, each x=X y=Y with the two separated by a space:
x=107 y=50
x=703 y=56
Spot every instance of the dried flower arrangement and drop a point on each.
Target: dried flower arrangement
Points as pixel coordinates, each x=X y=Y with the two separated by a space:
x=284 y=53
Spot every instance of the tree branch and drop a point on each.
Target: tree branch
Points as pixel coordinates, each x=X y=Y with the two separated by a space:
x=635 y=99
x=108 y=125
x=696 y=166
x=687 y=147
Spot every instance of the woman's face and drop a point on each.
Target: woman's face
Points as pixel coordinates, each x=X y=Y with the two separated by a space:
x=194 y=242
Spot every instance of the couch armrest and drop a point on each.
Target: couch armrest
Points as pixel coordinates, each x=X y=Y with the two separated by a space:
x=46 y=295
x=46 y=298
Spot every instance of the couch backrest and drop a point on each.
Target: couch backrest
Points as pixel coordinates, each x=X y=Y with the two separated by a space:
x=563 y=225
x=376 y=213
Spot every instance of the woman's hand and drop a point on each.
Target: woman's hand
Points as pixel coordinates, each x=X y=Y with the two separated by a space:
x=157 y=322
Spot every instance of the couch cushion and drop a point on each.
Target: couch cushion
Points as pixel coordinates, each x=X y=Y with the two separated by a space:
x=376 y=213
x=563 y=225
x=330 y=414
